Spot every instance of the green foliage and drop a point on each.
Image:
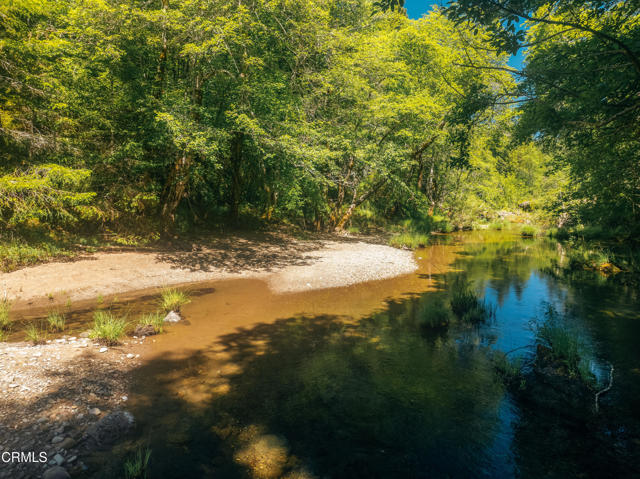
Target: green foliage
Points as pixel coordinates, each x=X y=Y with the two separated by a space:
x=4 y=335
x=107 y=328
x=36 y=334
x=137 y=466
x=154 y=319
x=172 y=299
x=49 y=194
x=56 y=321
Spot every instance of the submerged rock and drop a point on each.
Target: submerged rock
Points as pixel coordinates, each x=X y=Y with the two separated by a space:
x=109 y=429
x=144 y=330
x=172 y=317
x=56 y=472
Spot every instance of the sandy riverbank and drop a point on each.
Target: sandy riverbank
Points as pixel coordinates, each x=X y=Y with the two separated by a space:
x=286 y=264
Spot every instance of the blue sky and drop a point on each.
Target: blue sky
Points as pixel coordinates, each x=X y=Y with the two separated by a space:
x=417 y=8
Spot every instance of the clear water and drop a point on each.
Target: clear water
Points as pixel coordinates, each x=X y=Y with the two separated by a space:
x=345 y=382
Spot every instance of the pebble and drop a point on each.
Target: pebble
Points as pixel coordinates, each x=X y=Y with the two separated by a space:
x=59 y=459
x=130 y=355
x=104 y=350
x=94 y=411
x=57 y=439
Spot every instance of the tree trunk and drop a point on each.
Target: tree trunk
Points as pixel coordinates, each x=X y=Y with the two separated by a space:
x=357 y=201
x=176 y=186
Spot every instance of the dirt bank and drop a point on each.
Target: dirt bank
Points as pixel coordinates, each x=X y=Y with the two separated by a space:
x=287 y=265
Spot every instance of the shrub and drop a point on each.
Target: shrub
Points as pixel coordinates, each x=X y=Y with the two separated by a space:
x=529 y=231
x=107 y=328
x=56 y=321
x=466 y=305
x=172 y=299
x=36 y=334
x=136 y=467
x=5 y=308
x=498 y=225
x=153 y=319
x=409 y=240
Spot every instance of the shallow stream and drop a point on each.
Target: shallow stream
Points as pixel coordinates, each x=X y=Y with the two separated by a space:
x=348 y=382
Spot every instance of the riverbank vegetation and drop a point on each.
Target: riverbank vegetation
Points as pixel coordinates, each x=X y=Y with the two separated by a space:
x=124 y=122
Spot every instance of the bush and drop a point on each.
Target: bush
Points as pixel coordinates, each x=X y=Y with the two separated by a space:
x=36 y=334
x=466 y=305
x=498 y=225
x=136 y=467
x=172 y=299
x=17 y=254
x=56 y=321
x=409 y=240
x=5 y=308
x=529 y=231
x=107 y=328
x=153 y=319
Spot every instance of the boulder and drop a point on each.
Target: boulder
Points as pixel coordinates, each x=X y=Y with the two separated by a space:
x=144 y=330
x=172 y=317
x=109 y=429
x=56 y=472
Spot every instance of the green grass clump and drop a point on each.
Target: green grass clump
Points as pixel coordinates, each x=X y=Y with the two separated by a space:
x=5 y=308
x=564 y=345
x=435 y=315
x=36 y=334
x=56 y=321
x=4 y=335
x=136 y=467
x=153 y=319
x=172 y=299
x=107 y=328
x=466 y=305
x=409 y=240
x=529 y=231
x=498 y=225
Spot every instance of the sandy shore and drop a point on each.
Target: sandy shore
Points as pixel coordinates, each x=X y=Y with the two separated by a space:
x=286 y=264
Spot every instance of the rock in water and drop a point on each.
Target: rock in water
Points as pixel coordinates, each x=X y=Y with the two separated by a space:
x=145 y=330
x=172 y=317
x=56 y=472
x=109 y=429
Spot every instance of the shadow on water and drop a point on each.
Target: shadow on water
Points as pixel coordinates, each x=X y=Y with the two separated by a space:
x=331 y=395
x=323 y=396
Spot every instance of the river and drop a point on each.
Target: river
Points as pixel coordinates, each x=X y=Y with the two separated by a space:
x=348 y=382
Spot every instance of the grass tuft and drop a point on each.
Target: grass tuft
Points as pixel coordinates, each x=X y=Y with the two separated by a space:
x=136 y=467
x=5 y=308
x=172 y=299
x=56 y=321
x=435 y=315
x=409 y=240
x=529 y=231
x=153 y=319
x=107 y=328
x=466 y=305
x=36 y=334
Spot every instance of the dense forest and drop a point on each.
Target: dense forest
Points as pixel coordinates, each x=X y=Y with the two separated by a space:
x=136 y=117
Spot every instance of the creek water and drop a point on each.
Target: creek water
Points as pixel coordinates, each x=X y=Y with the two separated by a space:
x=348 y=382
